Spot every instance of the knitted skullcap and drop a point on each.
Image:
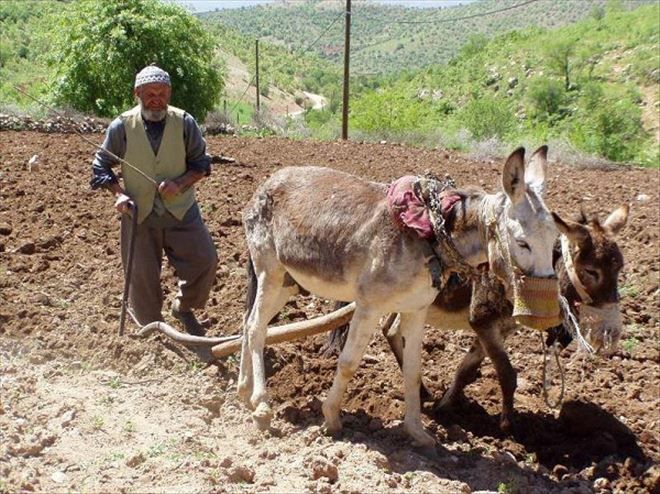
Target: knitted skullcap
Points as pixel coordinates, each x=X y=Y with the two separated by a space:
x=152 y=75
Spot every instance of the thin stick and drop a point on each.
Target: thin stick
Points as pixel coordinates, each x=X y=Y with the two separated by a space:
x=111 y=154
x=129 y=270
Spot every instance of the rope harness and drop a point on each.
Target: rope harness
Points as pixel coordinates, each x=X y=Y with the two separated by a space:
x=554 y=349
x=429 y=189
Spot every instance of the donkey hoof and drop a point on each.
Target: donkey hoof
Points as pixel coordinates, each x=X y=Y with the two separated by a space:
x=420 y=438
x=445 y=404
x=331 y=421
x=333 y=428
x=506 y=425
x=244 y=393
x=262 y=416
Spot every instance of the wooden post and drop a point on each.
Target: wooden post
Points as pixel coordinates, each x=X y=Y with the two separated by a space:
x=347 y=51
x=256 y=45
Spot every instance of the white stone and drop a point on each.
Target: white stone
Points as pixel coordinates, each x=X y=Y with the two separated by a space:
x=59 y=477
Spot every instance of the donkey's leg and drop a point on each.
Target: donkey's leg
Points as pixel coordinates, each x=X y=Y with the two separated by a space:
x=490 y=317
x=271 y=297
x=289 y=288
x=391 y=331
x=360 y=331
x=492 y=342
x=466 y=374
x=412 y=331
x=245 y=378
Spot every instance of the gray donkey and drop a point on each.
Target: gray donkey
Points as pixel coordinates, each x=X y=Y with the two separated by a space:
x=587 y=261
x=333 y=234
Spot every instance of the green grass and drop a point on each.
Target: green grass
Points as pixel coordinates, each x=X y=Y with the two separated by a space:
x=630 y=344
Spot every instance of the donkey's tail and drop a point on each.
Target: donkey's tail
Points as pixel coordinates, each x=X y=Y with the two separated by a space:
x=251 y=289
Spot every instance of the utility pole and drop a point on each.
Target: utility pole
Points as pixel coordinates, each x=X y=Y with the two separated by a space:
x=256 y=45
x=347 y=52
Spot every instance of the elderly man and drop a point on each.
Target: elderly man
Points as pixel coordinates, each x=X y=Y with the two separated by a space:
x=165 y=144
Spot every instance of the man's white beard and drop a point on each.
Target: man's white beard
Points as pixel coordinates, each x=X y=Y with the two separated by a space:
x=152 y=115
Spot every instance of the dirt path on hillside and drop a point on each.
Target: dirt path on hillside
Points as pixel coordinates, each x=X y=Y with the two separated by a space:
x=241 y=86
x=84 y=410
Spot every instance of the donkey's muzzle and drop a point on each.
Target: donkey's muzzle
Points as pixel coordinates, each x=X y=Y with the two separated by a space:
x=536 y=302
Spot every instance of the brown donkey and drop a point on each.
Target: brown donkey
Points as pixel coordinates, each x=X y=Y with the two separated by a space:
x=332 y=234
x=587 y=261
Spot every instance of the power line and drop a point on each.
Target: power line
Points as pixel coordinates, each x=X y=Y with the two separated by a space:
x=439 y=21
x=309 y=47
x=471 y=16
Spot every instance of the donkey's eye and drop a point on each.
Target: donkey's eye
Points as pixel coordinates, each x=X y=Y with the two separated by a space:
x=523 y=245
x=593 y=273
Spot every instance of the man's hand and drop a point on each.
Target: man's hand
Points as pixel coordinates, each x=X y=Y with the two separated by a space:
x=169 y=188
x=123 y=203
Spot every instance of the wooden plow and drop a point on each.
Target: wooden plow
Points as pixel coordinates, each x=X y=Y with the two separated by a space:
x=222 y=346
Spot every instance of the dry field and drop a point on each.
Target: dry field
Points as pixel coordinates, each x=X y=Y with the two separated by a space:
x=84 y=410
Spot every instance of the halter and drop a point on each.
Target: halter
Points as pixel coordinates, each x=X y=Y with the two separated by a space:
x=570 y=270
x=570 y=321
x=534 y=299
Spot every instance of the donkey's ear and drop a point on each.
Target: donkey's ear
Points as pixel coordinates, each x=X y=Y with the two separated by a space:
x=575 y=232
x=513 y=176
x=617 y=219
x=535 y=171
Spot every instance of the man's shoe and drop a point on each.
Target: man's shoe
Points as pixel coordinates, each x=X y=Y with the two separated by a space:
x=188 y=319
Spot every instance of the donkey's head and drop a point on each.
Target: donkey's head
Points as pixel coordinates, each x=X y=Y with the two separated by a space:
x=592 y=261
x=520 y=249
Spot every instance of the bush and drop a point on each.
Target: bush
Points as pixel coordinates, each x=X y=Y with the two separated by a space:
x=390 y=110
x=99 y=46
x=487 y=117
x=546 y=98
x=613 y=129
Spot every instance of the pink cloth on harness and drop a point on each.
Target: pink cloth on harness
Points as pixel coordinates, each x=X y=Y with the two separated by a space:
x=409 y=211
x=406 y=208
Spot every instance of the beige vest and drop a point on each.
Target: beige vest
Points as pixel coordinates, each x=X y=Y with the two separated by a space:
x=169 y=163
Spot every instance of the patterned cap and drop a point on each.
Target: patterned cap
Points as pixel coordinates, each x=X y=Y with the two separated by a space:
x=152 y=75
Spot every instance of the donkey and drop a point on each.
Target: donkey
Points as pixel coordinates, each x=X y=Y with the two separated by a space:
x=333 y=234
x=587 y=261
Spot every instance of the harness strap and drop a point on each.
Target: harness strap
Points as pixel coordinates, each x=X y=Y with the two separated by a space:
x=546 y=383
x=429 y=190
x=570 y=270
x=434 y=265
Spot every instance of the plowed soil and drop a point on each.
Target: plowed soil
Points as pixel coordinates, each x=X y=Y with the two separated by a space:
x=83 y=409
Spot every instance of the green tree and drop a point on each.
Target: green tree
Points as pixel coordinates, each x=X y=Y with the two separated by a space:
x=99 y=46
x=560 y=58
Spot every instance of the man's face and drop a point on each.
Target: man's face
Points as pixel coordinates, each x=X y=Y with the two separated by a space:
x=154 y=99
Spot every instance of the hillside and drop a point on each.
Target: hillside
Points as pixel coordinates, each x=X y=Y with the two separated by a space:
x=592 y=85
x=387 y=39
x=21 y=46
x=285 y=76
